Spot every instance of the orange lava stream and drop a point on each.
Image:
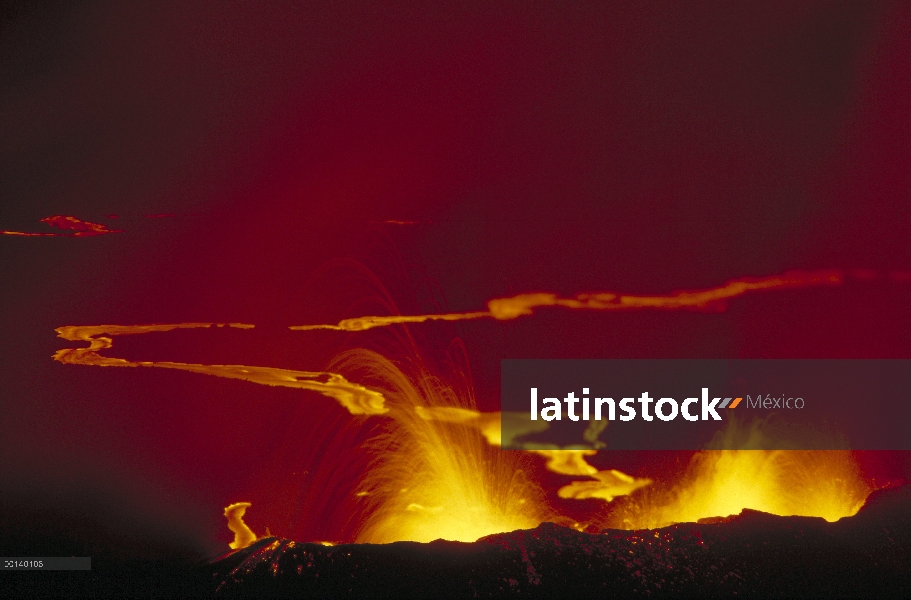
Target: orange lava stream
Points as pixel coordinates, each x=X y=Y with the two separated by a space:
x=79 y=228
x=356 y=398
x=504 y=309
x=362 y=323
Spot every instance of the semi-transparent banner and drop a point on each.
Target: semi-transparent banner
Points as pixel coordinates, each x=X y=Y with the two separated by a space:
x=690 y=404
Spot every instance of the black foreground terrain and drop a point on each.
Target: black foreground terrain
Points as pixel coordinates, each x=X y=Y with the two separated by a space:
x=752 y=555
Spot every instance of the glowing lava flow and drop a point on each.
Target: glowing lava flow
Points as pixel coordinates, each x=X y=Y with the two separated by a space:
x=363 y=323
x=79 y=228
x=356 y=398
x=524 y=304
x=606 y=485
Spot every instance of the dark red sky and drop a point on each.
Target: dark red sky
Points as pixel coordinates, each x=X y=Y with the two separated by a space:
x=605 y=146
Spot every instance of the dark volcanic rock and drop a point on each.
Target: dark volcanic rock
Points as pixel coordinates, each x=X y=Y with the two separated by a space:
x=753 y=555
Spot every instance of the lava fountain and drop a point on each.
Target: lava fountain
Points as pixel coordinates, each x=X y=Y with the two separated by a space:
x=720 y=483
x=430 y=478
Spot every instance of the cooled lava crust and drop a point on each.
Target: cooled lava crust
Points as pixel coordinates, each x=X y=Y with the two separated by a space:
x=752 y=555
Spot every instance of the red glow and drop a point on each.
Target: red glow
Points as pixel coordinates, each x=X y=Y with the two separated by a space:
x=442 y=187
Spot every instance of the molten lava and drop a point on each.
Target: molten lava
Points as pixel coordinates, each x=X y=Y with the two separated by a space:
x=356 y=398
x=524 y=304
x=438 y=469
x=719 y=483
x=434 y=474
x=243 y=536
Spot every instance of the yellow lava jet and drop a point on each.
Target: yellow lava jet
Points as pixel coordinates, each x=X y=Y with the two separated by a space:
x=243 y=536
